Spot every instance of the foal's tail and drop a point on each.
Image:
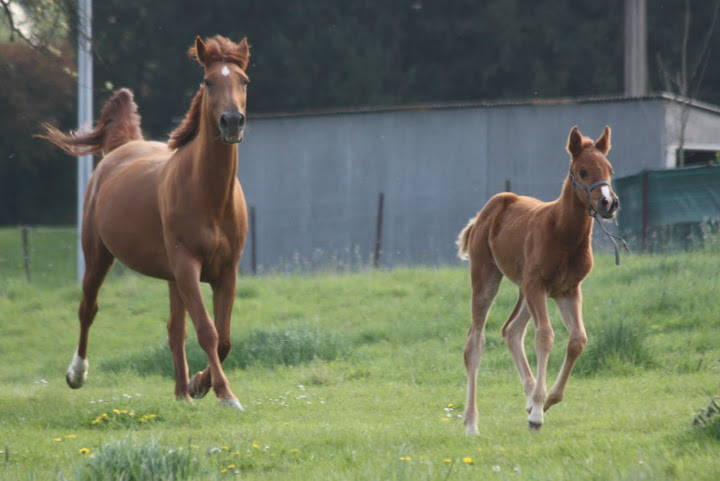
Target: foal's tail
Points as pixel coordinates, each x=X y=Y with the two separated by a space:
x=463 y=239
x=119 y=123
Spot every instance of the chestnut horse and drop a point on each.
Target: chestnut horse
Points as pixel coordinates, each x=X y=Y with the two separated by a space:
x=545 y=249
x=173 y=211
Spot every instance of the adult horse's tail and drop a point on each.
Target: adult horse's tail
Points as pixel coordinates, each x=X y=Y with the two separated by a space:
x=464 y=239
x=119 y=123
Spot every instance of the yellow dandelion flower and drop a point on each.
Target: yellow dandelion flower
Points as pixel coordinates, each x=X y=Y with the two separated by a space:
x=116 y=412
x=57 y=440
x=467 y=460
x=104 y=416
x=225 y=448
x=405 y=458
x=223 y=470
x=451 y=405
x=231 y=466
x=71 y=436
x=96 y=420
x=84 y=451
x=256 y=445
x=447 y=460
x=446 y=420
x=131 y=414
x=294 y=450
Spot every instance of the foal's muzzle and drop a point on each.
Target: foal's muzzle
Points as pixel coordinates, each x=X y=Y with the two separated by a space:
x=608 y=206
x=232 y=126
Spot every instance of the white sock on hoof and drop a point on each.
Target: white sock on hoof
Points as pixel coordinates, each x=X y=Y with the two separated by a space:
x=77 y=373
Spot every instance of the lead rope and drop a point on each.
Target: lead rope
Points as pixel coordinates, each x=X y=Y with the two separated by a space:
x=593 y=214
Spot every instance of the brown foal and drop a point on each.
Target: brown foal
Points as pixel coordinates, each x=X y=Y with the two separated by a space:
x=545 y=249
x=172 y=211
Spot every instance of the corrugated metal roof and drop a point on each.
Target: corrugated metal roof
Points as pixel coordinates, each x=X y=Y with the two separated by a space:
x=492 y=103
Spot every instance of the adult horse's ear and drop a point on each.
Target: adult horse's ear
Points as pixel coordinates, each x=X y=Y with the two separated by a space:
x=198 y=51
x=574 y=146
x=603 y=143
x=244 y=53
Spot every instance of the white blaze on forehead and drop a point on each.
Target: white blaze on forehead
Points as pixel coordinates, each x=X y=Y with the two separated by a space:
x=225 y=71
x=605 y=191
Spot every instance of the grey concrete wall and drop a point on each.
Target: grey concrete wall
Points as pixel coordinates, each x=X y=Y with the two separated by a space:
x=314 y=180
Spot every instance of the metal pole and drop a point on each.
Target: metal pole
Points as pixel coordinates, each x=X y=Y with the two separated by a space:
x=85 y=115
x=378 y=230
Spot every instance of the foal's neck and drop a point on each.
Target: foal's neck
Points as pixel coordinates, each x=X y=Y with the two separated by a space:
x=574 y=224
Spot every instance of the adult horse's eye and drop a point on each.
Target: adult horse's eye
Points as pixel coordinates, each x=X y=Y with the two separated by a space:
x=583 y=173
x=207 y=83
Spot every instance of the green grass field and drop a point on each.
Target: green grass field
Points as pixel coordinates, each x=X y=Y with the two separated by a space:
x=357 y=376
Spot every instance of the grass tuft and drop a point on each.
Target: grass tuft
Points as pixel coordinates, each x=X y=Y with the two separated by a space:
x=268 y=348
x=617 y=349
x=148 y=461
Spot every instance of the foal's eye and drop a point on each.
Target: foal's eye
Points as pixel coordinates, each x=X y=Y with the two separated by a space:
x=583 y=173
x=207 y=83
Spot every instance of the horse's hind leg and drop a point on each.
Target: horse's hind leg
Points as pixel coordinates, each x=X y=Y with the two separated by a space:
x=98 y=261
x=485 y=279
x=571 y=311
x=514 y=332
x=177 y=335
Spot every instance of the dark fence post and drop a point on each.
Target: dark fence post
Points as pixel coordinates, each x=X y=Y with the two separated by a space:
x=24 y=232
x=644 y=210
x=508 y=187
x=378 y=231
x=253 y=241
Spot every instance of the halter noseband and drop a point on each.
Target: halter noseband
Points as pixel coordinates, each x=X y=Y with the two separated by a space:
x=592 y=213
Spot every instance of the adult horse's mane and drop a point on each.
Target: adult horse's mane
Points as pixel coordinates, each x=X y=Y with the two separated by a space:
x=217 y=49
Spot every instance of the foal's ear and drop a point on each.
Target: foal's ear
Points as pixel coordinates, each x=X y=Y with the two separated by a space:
x=603 y=143
x=574 y=146
x=243 y=50
x=198 y=51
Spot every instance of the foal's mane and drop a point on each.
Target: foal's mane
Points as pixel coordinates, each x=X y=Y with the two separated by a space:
x=216 y=49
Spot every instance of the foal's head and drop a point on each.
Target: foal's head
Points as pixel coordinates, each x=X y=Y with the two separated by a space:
x=224 y=85
x=590 y=172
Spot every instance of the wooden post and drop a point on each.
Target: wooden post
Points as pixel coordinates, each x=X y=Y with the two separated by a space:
x=253 y=241
x=24 y=232
x=644 y=211
x=508 y=187
x=378 y=230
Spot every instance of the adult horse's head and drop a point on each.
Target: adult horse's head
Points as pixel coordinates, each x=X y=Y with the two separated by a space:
x=224 y=85
x=590 y=172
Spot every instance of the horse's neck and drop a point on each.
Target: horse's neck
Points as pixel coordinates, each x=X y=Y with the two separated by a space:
x=574 y=224
x=215 y=163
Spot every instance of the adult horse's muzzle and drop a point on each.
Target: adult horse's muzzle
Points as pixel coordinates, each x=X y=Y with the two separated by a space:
x=232 y=126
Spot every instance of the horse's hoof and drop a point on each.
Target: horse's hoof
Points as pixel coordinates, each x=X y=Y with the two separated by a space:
x=534 y=427
x=77 y=373
x=199 y=393
x=75 y=381
x=232 y=403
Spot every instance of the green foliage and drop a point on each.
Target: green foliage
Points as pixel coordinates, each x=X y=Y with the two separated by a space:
x=146 y=461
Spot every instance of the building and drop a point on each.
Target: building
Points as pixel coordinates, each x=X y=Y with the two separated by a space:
x=314 y=180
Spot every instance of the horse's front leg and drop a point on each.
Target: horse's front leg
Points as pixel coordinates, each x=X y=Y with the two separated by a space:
x=223 y=299
x=177 y=335
x=187 y=278
x=571 y=311
x=544 y=337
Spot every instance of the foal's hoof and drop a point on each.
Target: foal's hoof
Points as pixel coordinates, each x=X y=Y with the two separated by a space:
x=232 y=403
x=75 y=381
x=196 y=393
x=534 y=427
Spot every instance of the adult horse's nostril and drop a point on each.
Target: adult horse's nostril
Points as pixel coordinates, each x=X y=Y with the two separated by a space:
x=223 y=121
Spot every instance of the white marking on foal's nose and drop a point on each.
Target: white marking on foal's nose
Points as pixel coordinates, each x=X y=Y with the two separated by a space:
x=225 y=71
x=605 y=190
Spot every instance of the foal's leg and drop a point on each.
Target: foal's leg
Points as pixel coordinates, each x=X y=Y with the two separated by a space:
x=571 y=311
x=177 y=335
x=514 y=332
x=223 y=299
x=98 y=261
x=536 y=300
x=485 y=283
x=187 y=279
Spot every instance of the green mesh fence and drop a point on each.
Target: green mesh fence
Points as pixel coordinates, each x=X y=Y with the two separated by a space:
x=669 y=209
